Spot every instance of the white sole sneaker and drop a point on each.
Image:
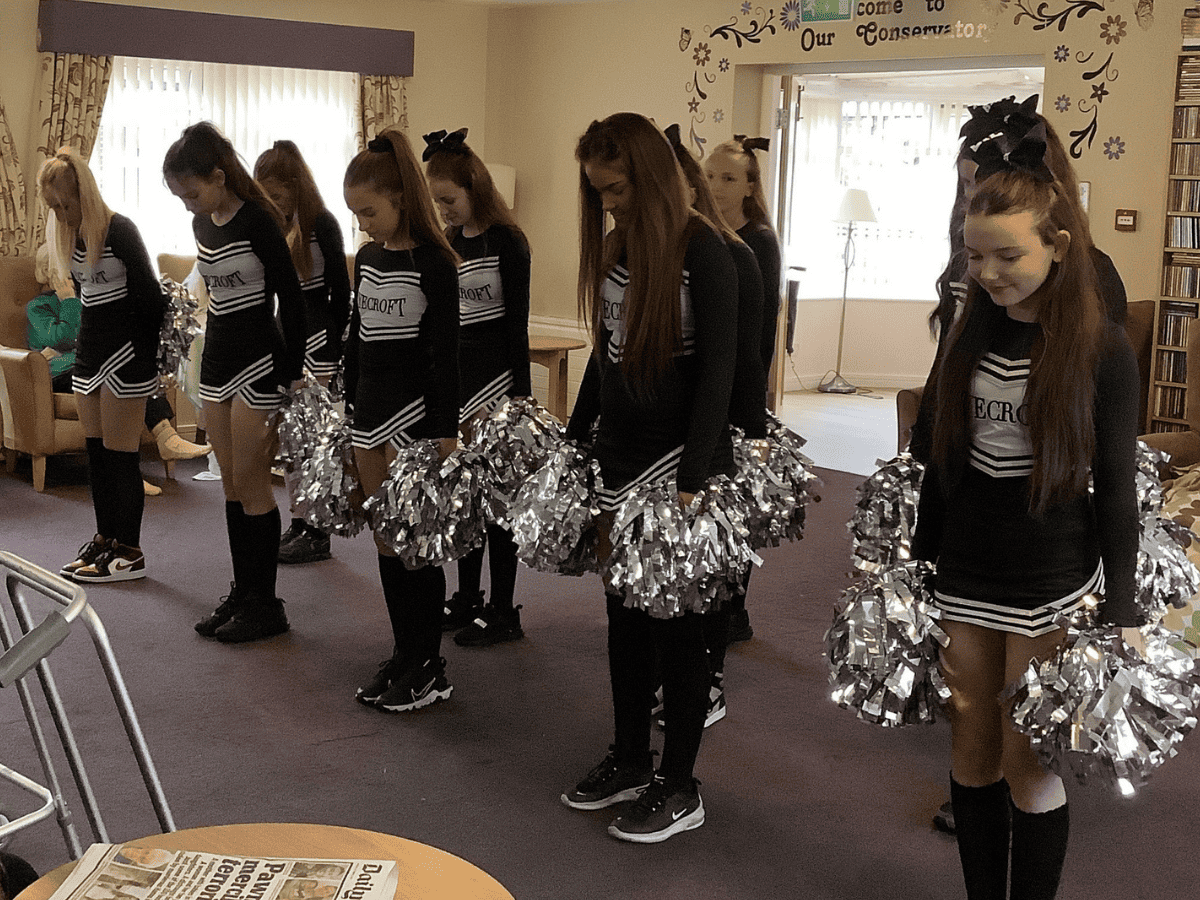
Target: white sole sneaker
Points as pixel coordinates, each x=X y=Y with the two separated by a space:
x=690 y=822
x=434 y=696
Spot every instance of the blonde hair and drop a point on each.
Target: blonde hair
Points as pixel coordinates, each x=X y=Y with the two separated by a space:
x=68 y=171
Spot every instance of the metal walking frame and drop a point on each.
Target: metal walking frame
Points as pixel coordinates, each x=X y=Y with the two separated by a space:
x=28 y=652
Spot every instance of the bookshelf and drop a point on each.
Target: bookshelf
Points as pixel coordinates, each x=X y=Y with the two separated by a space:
x=1181 y=256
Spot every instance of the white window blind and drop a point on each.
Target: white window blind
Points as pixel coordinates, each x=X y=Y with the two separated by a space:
x=151 y=101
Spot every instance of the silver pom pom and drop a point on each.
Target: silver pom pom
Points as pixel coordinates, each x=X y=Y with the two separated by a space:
x=1105 y=711
x=306 y=415
x=425 y=510
x=885 y=514
x=883 y=648
x=552 y=514
x=327 y=492
x=775 y=492
x=510 y=445
x=179 y=328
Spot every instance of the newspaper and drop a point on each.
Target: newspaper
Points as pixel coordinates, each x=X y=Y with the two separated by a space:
x=120 y=872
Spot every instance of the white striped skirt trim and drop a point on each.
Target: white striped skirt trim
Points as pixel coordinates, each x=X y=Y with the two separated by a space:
x=661 y=470
x=108 y=376
x=1029 y=622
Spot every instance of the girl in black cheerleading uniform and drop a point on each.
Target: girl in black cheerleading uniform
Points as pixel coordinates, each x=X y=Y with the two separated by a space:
x=660 y=292
x=735 y=179
x=1036 y=391
x=320 y=259
x=116 y=365
x=402 y=386
x=493 y=290
x=248 y=361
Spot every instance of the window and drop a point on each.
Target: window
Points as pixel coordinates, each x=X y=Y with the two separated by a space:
x=895 y=135
x=150 y=101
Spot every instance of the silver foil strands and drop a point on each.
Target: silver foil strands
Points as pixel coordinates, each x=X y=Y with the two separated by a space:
x=509 y=446
x=1104 y=711
x=667 y=560
x=327 y=493
x=179 y=328
x=306 y=415
x=883 y=648
x=885 y=513
x=774 y=493
x=1165 y=576
x=426 y=510
x=553 y=512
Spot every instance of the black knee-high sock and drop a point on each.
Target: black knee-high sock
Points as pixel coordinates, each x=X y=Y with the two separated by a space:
x=631 y=673
x=686 y=679
x=502 y=565
x=737 y=602
x=470 y=567
x=262 y=552
x=235 y=527
x=415 y=601
x=101 y=486
x=1039 y=848
x=981 y=825
x=716 y=638
x=128 y=500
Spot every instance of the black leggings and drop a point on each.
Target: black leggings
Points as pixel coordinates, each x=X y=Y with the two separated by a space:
x=635 y=640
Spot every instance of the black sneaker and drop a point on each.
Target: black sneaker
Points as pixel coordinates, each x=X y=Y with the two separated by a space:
x=491 y=626
x=420 y=684
x=87 y=555
x=389 y=669
x=461 y=609
x=310 y=545
x=943 y=819
x=117 y=562
x=659 y=813
x=716 y=708
x=229 y=604
x=609 y=783
x=253 y=620
x=739 y=626
x=294 y=530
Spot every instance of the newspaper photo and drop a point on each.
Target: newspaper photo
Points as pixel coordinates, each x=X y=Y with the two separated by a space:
x=119 y=872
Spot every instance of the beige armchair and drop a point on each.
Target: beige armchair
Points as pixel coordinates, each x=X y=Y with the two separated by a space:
x=37 y=421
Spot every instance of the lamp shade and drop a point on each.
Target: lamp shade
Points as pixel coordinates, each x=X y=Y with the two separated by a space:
x=856 y=207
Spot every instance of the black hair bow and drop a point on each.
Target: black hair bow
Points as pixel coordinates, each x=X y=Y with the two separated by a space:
x=441 y=142
x=1001 y=117
x=1019 y=153
x=379 y=145
x=755 y=143
x=672 y=133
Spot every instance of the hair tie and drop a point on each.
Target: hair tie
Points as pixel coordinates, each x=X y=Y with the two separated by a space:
x=755 y=143
x=441 y=142
x=379 y=145
x=672 y=133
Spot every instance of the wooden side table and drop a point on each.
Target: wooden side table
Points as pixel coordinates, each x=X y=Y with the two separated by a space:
x=424 y=872
x=551 y=352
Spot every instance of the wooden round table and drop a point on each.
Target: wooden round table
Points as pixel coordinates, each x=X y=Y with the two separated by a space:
x=423 y=871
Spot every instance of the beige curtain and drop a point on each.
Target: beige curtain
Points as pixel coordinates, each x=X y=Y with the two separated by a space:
x=382 y=104
x=12 y=194
x=71 y=96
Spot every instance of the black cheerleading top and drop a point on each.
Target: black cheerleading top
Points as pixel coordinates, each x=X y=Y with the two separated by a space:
x=680 y=425
x=748 y=401
x=402 y=354
x=326 y=296
x=493 y=305
x=1000 y=566
x=248 y=271
x=121 y=316
x=765 y=244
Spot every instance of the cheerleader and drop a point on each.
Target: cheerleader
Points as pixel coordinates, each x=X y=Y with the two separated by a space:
x=493 y=291
x=402 y=386
x=735 y=178
x=247 y=363
x=1036 y=391
x=660 y=294
x=748 y=401
x=320 y=259
x=116 y=365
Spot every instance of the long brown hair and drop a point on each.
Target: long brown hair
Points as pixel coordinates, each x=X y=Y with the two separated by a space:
x=201 y=150
x=653 y=238
x=388 y=166
x=66 y=170
x=1061 y=390
x=463 y=167
x=285 y=164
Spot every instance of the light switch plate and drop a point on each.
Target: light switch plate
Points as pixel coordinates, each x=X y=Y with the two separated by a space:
x=1126 y=220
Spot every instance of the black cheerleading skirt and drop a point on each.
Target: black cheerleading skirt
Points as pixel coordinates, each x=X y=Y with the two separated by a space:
x=322 y=348
x=484 y=376
x=384 y=412
x=234 y=364
x=1001 y=567
x=108 y=358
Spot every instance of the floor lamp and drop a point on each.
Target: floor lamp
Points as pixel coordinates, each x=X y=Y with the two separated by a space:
x=856 y=207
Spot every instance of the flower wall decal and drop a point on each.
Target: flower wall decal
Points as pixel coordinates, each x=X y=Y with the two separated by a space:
x=718 y=116
x=1062 y=103
x=789 y=16
x=746 y=7
x=1114 y=147
x=723 y=65
x=701 y=54
x=1061 y=52
x=1112 y=29
x=1099 y=92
